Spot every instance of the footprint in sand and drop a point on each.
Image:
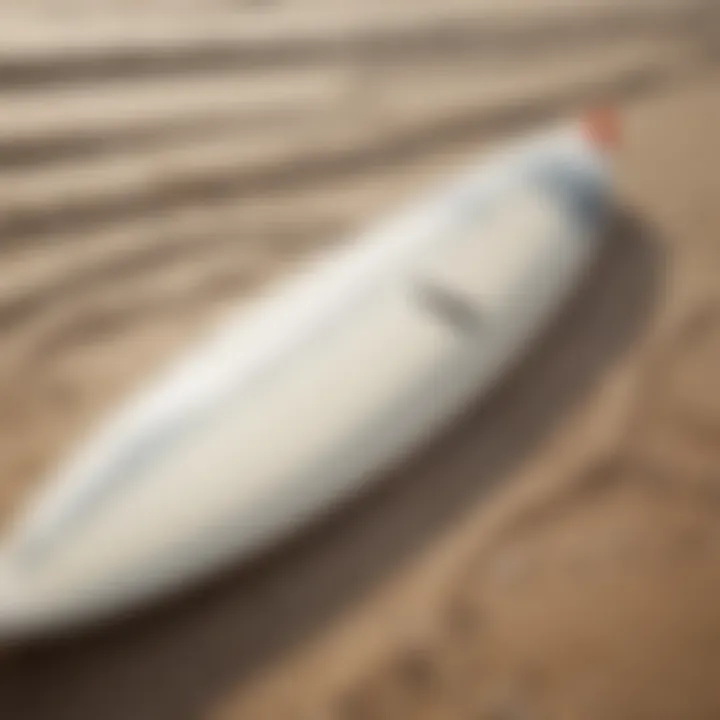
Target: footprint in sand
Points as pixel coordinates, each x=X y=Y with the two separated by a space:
x=693 y=398
x=594 y=623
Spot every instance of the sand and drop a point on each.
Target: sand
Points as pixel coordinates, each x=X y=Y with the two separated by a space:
x=554 y=555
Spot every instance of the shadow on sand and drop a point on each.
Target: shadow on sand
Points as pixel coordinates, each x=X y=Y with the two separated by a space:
x=176 y=660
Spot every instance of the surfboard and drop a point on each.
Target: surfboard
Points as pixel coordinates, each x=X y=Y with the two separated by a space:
x=303 y=397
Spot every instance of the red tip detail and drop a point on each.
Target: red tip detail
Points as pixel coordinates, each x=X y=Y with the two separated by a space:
x=602 y=127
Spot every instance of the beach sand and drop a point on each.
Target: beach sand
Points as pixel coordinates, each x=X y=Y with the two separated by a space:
x=557 y=553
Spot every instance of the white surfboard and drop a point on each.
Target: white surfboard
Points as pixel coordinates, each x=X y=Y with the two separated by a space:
x=310 y=392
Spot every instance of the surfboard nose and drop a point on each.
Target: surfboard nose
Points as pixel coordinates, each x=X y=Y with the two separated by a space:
x=19 y=612
x=603 y=128
x=29 y=606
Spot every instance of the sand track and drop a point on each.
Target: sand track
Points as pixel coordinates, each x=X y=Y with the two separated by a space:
x=114 y=52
